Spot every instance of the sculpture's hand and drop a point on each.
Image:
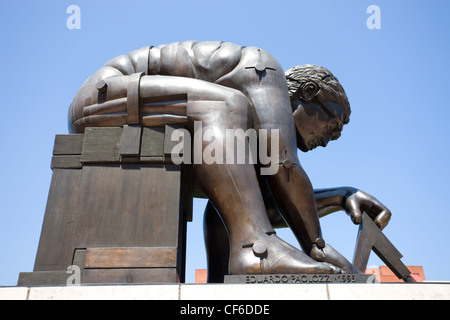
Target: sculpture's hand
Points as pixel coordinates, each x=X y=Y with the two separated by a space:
x=360 y=202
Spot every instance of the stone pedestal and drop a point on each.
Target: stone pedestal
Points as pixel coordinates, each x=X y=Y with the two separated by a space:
x=116 y=212
x=260 y=293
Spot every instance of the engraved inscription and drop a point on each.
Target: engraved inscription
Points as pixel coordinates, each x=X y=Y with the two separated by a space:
x=301 y=278
x=297 y=278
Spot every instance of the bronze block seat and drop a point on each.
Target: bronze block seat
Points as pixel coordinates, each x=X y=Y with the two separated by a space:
x=117 y=209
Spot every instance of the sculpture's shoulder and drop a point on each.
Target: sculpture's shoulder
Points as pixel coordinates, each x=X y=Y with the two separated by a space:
x=133 y=62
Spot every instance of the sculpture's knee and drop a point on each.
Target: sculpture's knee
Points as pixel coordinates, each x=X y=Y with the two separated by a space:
x=220 y=106
x=239 y=107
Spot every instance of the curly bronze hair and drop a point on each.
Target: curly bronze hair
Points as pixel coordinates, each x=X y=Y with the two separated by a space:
x=330 y=88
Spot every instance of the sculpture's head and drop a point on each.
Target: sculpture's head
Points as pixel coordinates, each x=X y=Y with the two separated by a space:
x=319 y=103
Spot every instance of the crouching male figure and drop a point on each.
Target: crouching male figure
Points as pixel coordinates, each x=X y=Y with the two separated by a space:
x=227 y=86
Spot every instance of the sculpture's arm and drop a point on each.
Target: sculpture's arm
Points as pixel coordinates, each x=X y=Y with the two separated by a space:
x=354 y=202
x=103 y=98
x=327 y=201
x=112 y=96
x=330 y=200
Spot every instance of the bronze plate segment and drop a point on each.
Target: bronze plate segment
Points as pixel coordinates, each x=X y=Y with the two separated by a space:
x=131 y=141
x=130 y=276
x=151 y=257
x=152 y=145
x=133 y=98
x=168 y=143
x=67 y=151
x=101 y=145
x=55 y=244
x=66 y=162
x=68 y=144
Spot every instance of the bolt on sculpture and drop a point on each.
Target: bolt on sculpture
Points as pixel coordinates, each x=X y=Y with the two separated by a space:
x=227 y=86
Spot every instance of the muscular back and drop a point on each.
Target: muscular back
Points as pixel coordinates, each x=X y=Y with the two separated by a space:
x=207 y=61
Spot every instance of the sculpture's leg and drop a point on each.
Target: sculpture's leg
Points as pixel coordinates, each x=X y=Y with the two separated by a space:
x=216 y=236
x=254 y=248
x=216 y=243
x=290 y=184
x=232 y=188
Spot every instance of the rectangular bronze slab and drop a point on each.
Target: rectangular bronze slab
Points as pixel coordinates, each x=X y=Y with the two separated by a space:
x=68 y=144
x=130 y=258
x=101 y=145
x=129 y=275
x=55 y=246
x=152 y=142
x=131 y=141
x=66 y=162
x=128 y=206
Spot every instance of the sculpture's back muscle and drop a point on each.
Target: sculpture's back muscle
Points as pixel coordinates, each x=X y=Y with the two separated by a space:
x=201 y=60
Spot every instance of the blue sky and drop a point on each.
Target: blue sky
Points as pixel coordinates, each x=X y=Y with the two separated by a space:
x=396 y=146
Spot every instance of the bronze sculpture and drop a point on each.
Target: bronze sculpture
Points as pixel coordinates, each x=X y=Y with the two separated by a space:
x=227 y=86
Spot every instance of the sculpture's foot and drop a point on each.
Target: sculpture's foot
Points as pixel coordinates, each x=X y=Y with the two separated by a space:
x=329 y=255
x=271 y=255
